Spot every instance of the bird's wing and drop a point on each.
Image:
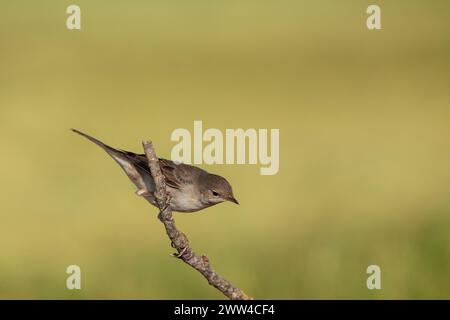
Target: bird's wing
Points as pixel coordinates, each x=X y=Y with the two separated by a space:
x=176 y=174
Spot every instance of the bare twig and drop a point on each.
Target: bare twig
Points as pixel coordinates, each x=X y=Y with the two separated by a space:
x=179 y=240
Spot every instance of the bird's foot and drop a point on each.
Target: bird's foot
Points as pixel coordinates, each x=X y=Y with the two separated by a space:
x=167 y=202
x=179 y=254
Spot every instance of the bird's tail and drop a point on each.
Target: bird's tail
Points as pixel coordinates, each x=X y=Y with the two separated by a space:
x=105 y=147
x=136 y=171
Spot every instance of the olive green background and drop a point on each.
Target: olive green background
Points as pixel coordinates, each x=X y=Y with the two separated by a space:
x=364 y=146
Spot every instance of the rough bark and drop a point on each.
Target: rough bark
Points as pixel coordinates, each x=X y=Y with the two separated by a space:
x=178 y=239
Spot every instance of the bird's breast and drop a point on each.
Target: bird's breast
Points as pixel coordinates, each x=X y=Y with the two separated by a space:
x=186 y=199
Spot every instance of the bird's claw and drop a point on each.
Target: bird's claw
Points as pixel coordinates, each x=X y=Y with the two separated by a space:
x=180 y=254
x=167 y=202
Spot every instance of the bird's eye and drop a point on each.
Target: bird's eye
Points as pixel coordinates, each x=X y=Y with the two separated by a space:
x=215 y=194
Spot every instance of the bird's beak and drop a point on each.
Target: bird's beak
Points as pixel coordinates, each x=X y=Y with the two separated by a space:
x=232 y=199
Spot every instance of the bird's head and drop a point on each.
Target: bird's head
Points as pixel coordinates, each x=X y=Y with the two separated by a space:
x=216 y=189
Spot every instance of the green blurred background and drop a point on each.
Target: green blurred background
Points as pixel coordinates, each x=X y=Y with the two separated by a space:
x=364 y=119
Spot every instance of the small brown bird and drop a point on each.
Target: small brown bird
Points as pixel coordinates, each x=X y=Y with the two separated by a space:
x=191 y=188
